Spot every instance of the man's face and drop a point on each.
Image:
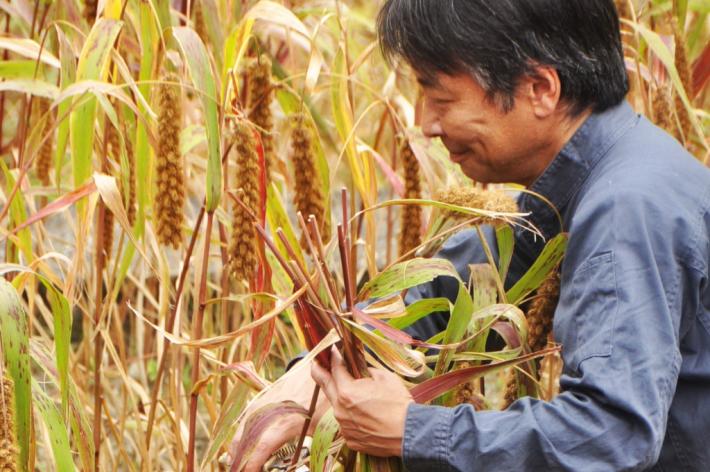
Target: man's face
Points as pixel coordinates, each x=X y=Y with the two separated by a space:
x=490 y=144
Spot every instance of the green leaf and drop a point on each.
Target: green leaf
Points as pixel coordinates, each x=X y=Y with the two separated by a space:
x=456 y=328
x=18 y=214
x=548 y=260
x=93 y=63
x=407 y=275
x=419 y=310
x=14 y=338
x=198 y=62
x=404 y=361
x=56 y=430
x=18 y=69
x=322 y=440
x=506 y=244
x=433 y=388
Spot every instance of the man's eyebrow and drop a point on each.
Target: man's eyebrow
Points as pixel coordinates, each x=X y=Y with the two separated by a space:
x=428 y=81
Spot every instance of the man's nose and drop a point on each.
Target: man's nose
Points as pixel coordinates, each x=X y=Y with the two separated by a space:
x=431 y=127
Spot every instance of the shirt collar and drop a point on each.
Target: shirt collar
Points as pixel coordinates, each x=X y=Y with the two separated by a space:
x=567 y=172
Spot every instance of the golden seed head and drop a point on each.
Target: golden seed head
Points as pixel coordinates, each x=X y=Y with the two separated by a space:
x=411 y=217
x=9 y=451
x=90 y=9
x=260 y=96
x=661 y=105
x=199 y=24
x=622 y=7
x=307 y=195
x=542 y=312
x=683 y=67
x=496 y=201
x=511 y=391
x=43 y=161
x=170 y=178
x=129 y=195
x=243 y=245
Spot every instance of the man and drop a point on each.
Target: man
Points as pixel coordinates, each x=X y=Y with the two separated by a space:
x=532 y=92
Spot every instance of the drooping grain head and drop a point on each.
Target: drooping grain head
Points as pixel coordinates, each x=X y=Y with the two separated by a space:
x=410 y=235
x=662 y=109
x=307 y=195
x=129 y=195
x=113 y=152
x=9 y=451
x=470 y=197
x=169 y=171
x=243 y=249
x=199 y=21
x=260 y=96
x=43 y=161
x=541 y=313
x=683 y=66
x=90 y=9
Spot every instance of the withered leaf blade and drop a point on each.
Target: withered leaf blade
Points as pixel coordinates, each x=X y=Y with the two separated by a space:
x=257 y=424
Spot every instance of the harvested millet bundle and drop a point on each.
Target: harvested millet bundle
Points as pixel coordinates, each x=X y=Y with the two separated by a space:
x=243 y=249
x=260 y=96
x=411 y=217
x=9 y=452
x=170 y=178
x=307 y=195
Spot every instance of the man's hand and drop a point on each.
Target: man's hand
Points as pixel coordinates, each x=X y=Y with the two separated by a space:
x=371 y=411
x=296 y=386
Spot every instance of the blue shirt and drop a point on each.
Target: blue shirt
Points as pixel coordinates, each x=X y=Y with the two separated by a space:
x=633 y=317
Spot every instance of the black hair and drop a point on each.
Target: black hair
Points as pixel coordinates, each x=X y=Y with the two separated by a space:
x=500 y=41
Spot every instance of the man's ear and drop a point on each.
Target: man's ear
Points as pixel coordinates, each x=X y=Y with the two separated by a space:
x=542 y=88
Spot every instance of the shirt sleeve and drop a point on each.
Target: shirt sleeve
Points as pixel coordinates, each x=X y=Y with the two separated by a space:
x=618 y=320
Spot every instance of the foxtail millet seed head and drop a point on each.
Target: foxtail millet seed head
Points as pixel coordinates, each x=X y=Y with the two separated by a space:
x=43 y=161
x=90 y=10
x=510 y=394
x=683 y=67
x=129 y=195
x=661 y=108
x=541 y=313
x=307 y=194
x=243 y=244
x=471 y=197
x=9 y=451
x=410 y=235
x=199 y=21
x=169 y=172
x=260 y=96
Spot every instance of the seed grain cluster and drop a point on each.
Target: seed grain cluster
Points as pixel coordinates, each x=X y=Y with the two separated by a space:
x=411 y=218
x=43 y=161
x=307 y=196
x=9 y=451
x=260 y=96
x=243 y=249
x=470 y=197
x=170 y=178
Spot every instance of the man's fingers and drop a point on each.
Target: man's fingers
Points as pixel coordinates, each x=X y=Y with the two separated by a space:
x=323 y=378
x=341 y=376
